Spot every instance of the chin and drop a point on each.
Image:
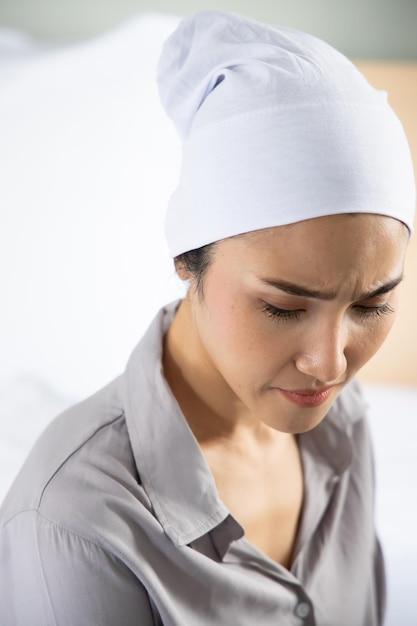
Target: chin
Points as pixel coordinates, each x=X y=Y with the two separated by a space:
x=297 y=421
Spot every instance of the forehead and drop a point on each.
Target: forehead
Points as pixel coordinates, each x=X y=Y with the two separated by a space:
x=325 y=249
x=335 y=226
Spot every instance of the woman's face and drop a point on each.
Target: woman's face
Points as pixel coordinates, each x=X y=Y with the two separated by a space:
x=289 y=315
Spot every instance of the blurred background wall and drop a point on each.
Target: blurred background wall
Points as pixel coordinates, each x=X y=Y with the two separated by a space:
x=369 y=29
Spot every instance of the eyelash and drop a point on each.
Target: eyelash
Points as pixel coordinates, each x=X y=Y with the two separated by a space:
x=364 y=311
x=280 y=314
x=375 y=311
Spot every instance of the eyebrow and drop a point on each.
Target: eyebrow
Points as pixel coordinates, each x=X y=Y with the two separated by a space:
x=304 y=292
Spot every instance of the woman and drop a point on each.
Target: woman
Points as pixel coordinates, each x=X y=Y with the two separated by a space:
x=226 y=477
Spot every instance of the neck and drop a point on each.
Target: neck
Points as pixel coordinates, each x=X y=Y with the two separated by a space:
x=211 y=409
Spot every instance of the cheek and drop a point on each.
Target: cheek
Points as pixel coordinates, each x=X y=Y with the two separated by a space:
x=228 y=326
x=233 y=326
x=368 y=343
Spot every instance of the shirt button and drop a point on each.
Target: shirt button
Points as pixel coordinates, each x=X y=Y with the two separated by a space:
x=302 y=609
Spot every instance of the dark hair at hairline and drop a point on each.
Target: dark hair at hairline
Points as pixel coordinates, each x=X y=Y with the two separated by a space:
x=196 y=262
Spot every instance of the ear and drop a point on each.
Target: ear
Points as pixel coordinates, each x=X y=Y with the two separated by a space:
x=182 y=272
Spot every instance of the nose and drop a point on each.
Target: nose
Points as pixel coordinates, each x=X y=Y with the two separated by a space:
x=323 y=353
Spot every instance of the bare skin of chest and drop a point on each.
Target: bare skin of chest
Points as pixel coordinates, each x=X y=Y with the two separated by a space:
x=263 y=489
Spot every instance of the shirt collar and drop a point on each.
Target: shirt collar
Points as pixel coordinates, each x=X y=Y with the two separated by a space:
x=327 y=453
x=171 y=466
x=332 y=439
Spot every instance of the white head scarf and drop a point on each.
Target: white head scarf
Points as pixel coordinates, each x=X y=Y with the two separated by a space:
x=278 y=127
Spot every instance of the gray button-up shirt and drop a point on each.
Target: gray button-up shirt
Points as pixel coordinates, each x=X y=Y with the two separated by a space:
x=115 y=520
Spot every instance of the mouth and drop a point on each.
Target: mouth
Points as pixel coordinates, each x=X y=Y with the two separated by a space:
x=307 y=398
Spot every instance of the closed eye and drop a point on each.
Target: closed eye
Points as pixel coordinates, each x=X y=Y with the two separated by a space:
x=374 y=311
x=294 y=314
x=281 y=314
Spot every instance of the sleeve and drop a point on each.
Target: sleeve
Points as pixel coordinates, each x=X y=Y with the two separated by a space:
x=50 y=576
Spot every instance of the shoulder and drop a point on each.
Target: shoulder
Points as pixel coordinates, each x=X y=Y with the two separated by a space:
x=66 y=525
x=83 y=454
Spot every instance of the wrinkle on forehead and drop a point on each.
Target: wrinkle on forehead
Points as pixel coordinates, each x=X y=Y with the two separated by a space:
x=342 y=254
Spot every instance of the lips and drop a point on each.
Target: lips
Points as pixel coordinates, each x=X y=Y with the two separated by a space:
x=307 y=398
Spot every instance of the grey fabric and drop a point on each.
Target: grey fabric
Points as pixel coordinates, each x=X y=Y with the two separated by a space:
x=115 y=519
